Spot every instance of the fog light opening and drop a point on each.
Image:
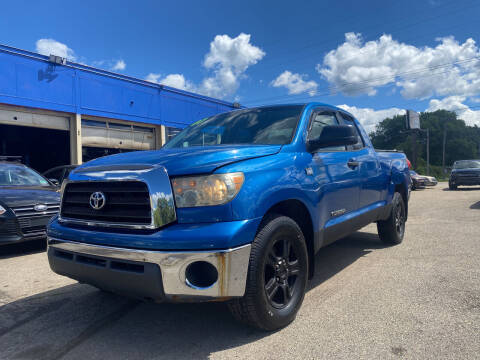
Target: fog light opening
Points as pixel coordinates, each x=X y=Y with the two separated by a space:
x=201 y=275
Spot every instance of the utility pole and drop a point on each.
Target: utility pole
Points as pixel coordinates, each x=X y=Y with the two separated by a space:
x=414 y=150
x=428 y=152
x=443 y=147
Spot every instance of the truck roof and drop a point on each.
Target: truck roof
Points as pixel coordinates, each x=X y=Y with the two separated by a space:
x=307 y=104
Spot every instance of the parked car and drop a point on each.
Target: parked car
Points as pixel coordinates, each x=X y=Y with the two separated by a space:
x=233 y=209
x=430 y=180
x=464 y=172
x=27 y=202
x=59 y=173
x=418 y=181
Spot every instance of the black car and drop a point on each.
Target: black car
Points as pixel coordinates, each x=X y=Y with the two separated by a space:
x=57 y=174
x=464 y=172
x=418 y=181
x=27 y=202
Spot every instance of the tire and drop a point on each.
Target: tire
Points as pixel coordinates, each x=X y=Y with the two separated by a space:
x=392 y=230
x=277 y=276
x=452 y=186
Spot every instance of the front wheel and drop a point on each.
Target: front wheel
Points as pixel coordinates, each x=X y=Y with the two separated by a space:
x=392 y=230
x=277 y=276
x=452 y=186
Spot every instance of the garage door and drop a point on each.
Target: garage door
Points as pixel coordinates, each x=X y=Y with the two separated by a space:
x=23 y=118
x=106 y=134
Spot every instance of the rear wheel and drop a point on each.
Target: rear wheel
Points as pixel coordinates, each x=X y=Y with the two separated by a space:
x=277 y=276
x=392 y=230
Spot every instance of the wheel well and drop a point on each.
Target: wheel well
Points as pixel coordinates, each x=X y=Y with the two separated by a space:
x=297 y=211
x=401 y=188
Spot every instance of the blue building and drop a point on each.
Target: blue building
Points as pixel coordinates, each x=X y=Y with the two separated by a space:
x=56 y=112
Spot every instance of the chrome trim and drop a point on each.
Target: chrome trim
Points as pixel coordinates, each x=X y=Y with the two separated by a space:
x=29 y=211
x=111 y=225
x=231 y=264
x=156 y=178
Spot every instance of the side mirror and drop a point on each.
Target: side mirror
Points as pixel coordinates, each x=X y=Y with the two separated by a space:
x=333 y=135
x=54 y=182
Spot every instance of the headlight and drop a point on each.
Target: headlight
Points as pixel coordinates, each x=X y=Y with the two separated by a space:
x=207 y=190
x=2 y=210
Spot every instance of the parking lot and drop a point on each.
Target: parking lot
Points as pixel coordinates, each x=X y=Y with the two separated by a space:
x=420 y=299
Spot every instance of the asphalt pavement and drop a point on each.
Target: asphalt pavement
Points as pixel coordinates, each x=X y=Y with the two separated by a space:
x=417 y=300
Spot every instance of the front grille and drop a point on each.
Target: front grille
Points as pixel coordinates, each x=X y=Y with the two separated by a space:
x=127 y=202
x=33 y=222
x=29 y=211
x=8 y=227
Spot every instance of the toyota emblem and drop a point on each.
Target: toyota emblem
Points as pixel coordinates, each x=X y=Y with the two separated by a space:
x=97 y=200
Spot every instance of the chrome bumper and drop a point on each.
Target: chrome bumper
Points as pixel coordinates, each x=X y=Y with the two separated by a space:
x=231 y=265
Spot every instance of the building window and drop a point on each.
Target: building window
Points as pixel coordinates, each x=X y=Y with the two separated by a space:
x=171 y=132
x=94 y=123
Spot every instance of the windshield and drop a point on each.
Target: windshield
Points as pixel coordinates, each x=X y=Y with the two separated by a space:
x=467 y=164
x=261 y=126
x=412 y=172
x=17 y=175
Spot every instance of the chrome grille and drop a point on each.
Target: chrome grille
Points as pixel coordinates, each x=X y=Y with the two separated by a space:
x=29 y=211
x=127 y=202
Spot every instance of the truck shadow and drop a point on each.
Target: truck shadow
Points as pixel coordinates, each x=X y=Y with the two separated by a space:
x=78 y=321
x=475 y=206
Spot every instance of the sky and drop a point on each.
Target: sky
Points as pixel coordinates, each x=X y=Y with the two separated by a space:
x=372 y=58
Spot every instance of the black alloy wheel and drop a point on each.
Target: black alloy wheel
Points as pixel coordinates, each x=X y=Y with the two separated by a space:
x=277 y=275
x=399 y=219
x=281 y=273
x=392 y=230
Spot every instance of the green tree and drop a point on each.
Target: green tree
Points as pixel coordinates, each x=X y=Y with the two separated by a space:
x=462 y=141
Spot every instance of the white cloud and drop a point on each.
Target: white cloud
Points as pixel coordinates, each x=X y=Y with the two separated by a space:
x=153 y=77
x=119 y=65
x=52 y=47
x=369 y=118
x=295 y=83
x=357 y=68
x=112 y=65
x=455 y=103
x=174 y=80
x=227 y=60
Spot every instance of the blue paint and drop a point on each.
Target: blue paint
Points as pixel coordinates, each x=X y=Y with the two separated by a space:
x=29 y=79
x=273 y=174
x=204 y=236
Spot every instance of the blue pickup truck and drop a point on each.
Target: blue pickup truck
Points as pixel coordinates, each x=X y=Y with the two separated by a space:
x=233 y=209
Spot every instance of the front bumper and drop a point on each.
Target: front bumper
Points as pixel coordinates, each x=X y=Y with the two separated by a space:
x=151 y=275
x=465 y=181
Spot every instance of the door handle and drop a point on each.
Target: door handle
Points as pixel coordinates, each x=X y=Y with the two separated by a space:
x=353 y=163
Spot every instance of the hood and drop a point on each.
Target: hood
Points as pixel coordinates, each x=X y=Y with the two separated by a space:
x=15 y=196
x=186 y=161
